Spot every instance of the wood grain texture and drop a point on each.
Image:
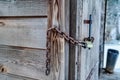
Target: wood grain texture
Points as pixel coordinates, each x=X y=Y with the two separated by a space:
x=24 y=32
x=89 y=57
x=78 y=37
x=59 y=17
x=14 y=77
x=23 y=7
x=24 y=62
x=72 y=49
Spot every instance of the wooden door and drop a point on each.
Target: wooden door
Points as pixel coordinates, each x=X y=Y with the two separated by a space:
x=90 y=57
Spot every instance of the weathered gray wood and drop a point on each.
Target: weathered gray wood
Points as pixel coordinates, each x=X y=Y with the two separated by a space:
x=102 y=35
x=23 y=7
x=78 y=36
x=24 y=62
x=72 y=49
x=20 y=62
x=24 y=32
x=14 y=77
x=90 y=57
x=66 y=27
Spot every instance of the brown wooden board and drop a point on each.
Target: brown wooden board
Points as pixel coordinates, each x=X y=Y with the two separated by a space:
x=24 y=32
x=23 y=7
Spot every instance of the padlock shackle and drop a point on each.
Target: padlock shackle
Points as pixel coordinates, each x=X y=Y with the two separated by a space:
x=90 y=18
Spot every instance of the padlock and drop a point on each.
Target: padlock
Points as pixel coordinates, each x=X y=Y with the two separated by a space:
x=89 y=44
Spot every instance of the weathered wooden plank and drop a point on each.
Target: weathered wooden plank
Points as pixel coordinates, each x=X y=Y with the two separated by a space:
x=66 y=26
x=89 y=57
x=72 y=49
x=58 y=16
x=23 y=7
x=14 y=77
x=23 y=32
x=24 y=62
x=78 y=36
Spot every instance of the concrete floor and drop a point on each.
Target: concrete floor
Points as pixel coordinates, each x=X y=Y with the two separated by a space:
x=107 y=76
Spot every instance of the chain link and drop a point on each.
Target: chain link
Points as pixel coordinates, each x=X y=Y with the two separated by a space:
x=48 y=56
x=68 y=38
x=63 y=35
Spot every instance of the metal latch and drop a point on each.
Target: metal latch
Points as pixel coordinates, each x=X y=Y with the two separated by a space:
x=89 y=40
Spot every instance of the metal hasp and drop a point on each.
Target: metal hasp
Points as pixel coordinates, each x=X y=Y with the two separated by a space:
x=89 y=40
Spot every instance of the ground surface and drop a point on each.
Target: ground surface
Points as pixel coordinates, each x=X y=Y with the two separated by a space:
x=107 y=76
x=116 y=74
x=115 y=47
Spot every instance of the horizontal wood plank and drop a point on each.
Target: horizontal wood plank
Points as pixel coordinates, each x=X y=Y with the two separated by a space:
x=23 y=7
x=14 y=77
x=24 y=62
x=23 y=32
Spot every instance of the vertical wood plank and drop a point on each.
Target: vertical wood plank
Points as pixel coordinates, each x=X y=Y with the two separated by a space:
x=65 y=23
x=61 y=19
x=72 y=50
x=102 y=33
x=66 y=28
x=89 y=57
x=78 y=36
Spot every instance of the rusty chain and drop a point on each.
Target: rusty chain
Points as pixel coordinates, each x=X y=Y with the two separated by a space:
x=68 y=38
x=48 y=56
x=63 y=35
